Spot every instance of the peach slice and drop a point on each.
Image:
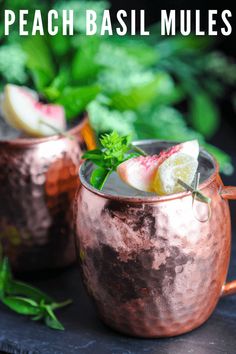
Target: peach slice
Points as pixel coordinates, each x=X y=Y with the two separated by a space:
x=140 y=172
x=23 y=111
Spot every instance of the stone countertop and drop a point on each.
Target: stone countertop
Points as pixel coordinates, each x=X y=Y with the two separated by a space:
x=85 y=334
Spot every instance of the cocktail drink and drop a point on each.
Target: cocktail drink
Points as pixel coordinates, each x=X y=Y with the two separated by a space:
x=38 y=179
x=155 y=265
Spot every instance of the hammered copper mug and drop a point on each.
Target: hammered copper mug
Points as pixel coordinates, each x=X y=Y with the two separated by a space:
x=38 y=179
x=155 y=266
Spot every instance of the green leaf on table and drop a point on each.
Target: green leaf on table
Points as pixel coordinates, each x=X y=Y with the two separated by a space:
x=76 y=99
x=54 y=323
x=21 y=305
x=204 y=114
x=51 y=320
x=18 y=288
x=38 y=317
x=5 y=276
x=24 y=299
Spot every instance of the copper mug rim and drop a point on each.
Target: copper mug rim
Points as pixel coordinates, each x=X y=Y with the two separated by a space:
x=151 y=198
x=27 y=142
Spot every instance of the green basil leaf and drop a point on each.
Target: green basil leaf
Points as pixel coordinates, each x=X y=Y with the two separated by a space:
x=12 y=63
x=76 y=99
x=54 y=323
x=84 y=64
x=104 y=120
x=93 y=154
x=51 y=320
x=58 y=305
x=130 y=156
x=204 y=114
x=5 y=276
x=99 y=177
x=38 y=317
x=26 y=300
x=160 y=89
x=58 y=84
x=21 y=306
x=223 y=159
x=20 y=288
x=39 y=60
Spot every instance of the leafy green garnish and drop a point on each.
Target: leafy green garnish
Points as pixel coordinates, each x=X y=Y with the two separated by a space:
x=114 y=151
x=39 y=61
x=75 y=99
x=24 y=299
x=137 y=78
x=12 y=64
x=204 y=114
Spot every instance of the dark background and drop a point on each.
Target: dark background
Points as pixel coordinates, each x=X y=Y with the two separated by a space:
x=225 y=138
x=153 y=14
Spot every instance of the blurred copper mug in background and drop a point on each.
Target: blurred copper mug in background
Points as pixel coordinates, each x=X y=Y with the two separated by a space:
x=38 y=179
x=155 y=266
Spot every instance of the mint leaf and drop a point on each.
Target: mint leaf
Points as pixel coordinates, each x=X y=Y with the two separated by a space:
x=99 y=177
x=51 y=319
x=105 y=120
x=204 y=114
x=27 y=300
x=39 y=60
x=18 y=288
x=160 y=89
x=13 y=63
x=76 y=99
x=93 y=155
x=54 y=323
x=84 y=64
x=5 y=276
x=114 y=151
x=20 y=305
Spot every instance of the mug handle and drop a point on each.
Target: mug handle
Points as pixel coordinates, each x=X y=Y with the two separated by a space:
x=228 y=193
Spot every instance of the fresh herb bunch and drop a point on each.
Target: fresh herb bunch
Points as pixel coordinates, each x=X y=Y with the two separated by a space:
x=114 y=150
x=167 y=88
x=27 y=300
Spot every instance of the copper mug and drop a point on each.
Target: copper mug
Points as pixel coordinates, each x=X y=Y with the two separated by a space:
x=38 y=180
x=155 y=266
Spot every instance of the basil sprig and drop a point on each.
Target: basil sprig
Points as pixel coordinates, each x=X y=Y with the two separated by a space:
x=115 y=149
x=25 y=299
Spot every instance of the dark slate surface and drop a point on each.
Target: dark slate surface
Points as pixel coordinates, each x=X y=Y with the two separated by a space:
x=85 y=334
